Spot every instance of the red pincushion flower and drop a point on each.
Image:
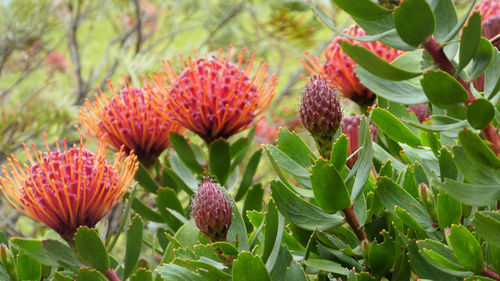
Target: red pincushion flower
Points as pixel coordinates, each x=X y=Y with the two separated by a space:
x=350 y=127
x=69 y=188
x=131 y=118
x=214 y=98
x=211 y=211
x=338 y=68
x=488 y=9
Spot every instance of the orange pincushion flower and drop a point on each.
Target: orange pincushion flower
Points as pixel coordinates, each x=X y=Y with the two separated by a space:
x=131 y=118
x=214 y=98
x=488 y=9
x=69 y=188
x=338 y=68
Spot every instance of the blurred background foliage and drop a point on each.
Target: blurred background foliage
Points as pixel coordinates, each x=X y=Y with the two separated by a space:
x=54 y=54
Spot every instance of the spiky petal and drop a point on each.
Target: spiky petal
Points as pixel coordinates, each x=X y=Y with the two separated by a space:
x=320 y=113
x=338 y=69
x=131 y=118
x=420 y=110
x=68 y=188
x=212 y=211
x=350 y=127
x=213 y=97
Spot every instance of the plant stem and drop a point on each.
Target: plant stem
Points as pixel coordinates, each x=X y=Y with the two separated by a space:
x=490 y=274
x=112 y=275
x=352 y=220
x=437 y=53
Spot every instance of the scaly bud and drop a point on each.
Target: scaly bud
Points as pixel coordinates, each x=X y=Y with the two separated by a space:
x=211 y=211
x=320 y=113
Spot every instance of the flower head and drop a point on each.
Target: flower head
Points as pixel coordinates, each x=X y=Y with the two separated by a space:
x=67 y=188
x=320 y=113
x=131 y=118
x=490 y=17
x=420 y=110
x=213 y=97
x=338 y=68
x=350 y=127
x=211 y=211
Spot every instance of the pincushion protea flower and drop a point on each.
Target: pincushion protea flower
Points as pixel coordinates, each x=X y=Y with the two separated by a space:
x=131 y=118
x=338 y=68
x=68 y=188
x=214 y=98
x=320 y=113
x=211 y=211
x=350 y=127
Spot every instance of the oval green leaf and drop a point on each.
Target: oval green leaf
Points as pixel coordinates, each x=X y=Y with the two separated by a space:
x=363 y=9
x=488 y=228
x=220 y=160
x=329 y=188
x=478 y=150
x=466 y=248
x=415 y=21
x=480 y=113
x=185 y=152
x=394 y=128
x=91 y=249
x=133 y=245
x=449 y=210
x=482 y=59
x=442 y=89
x=469 y=42
x=248 y=267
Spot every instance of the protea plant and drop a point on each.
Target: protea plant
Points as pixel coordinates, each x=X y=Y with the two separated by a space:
x=320 y=113
x=350 y=127
x=212 y=211
x=132 y=118
x=338 y=68
x=69 y=187
x=213 y=97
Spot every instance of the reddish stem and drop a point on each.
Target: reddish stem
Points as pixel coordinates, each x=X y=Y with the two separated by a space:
x=439 y=57
x=112 y=275
x=490 y=274
x=352 y=220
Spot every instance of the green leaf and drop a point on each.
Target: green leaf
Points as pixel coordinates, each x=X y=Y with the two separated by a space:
x=89 y=274
x=459 y=25
x=449 y=210
x=441 y=257
x=58 y=276
x=446 y=18
x=220 y=160
x=471 y=194
x=442 y=89
x=133 y=245
x=466 y=248
x=394 y=128
x=34 y=249
x=185 y=152
x=61 y=253
x=447 y=167
x=392 y=195
x=173 y=272
x=28 y=268
x=376 y=65
x=167 y=199
x=327 y=265
x=248 y=267
x=91 y=249
x=186 y=236
x=146 y=212
x=253 y=201
x=248 y=175
x=208 y=271
x=482 y=59
x=287 y=163
x=293 y=146
x=382 y=256
x=423 y=268
x=491 y=77
x=329 y=23
x=238 y=231
x=385 y=26
x=239 y=146
x=275 y=224
x=480 y=113
x=329 y=188
x=469 y=42
x=145 y=180
x=340 y=152
x=478 y=278
x=363 y=9
x=478 y=150
x=415 y=21
x=300 y=212
x=142 y=274
x=408 y=220
x=363 y=165
x=487 y=227
x=183 y=173
x=473 y=171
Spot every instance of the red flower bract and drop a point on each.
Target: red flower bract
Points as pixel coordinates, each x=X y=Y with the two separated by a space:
x=338 y=68
x=131 y=118
x=69 y=188
x=214 y=98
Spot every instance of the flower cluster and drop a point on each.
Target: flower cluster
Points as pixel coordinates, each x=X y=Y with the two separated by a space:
x=214 y=98
x=67 y=188
x=338 y=68
x=131 y=118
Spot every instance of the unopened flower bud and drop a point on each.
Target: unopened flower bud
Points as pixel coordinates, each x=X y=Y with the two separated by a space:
x=427 y=197
x=3 y=253
x=350 y=127
x=320 y=113
x=212 y=211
